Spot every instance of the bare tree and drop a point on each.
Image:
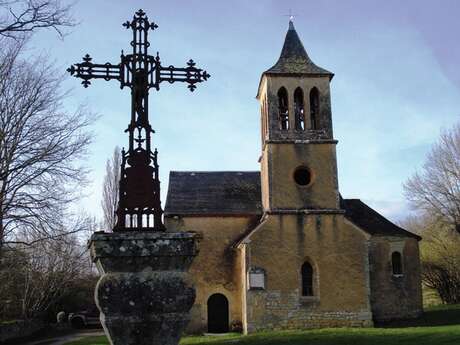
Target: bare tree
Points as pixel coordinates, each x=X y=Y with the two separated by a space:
x=50 y=267
x=19 y=17
x=41 y=147
x=436 y=188
x=110 y=189
x=43 y=271
x=440 y=258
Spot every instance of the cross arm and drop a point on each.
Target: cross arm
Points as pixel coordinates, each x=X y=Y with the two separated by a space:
x=87 y=70
x=189 y=74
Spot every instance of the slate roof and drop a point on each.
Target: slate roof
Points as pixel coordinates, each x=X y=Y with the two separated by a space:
x=371 y=221
x=213 y=193
x=229 y=193
x=294 y=58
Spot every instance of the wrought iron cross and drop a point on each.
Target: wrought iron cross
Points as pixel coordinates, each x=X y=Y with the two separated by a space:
x=139 y=205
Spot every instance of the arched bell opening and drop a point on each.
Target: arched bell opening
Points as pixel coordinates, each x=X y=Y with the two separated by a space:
x=314 y=108
x=283 y=109
x=299 y=110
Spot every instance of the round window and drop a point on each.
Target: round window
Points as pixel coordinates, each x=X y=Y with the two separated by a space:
x=302 y=176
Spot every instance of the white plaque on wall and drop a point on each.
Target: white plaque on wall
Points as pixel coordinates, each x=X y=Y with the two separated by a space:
x=257 y=279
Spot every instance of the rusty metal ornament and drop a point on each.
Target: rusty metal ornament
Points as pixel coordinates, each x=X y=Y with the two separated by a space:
x=139 y=206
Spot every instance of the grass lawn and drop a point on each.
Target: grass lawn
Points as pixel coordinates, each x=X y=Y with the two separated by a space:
x=439 y=326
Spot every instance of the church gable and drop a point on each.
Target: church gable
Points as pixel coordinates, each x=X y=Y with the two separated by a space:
x=307 y=261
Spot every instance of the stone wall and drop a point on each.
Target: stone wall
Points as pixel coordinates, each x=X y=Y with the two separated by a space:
x=268 y=92
x=217 y=268
x=282 y=160
x=395 y=296
x=336 y=249
x=353 y=283
x=288 y=311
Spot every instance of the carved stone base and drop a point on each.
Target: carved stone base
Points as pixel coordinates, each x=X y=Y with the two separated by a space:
x=144 y=294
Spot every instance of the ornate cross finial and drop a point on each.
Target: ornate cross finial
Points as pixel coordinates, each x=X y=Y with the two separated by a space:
x=139 y=202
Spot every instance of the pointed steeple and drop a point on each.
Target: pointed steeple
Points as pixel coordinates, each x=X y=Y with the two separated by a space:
x=294 y=59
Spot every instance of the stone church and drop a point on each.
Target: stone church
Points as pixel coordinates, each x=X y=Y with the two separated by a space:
x=280 y=248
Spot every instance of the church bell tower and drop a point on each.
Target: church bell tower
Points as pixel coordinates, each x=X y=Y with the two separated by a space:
x=298 y=162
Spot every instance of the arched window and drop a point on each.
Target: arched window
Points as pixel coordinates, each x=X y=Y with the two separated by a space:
x=396 y=263
x=283 y=109
x=299 y=111
x=307 y=279
x=314 y=108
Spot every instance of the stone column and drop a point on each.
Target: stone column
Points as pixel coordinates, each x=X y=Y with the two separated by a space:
x=144 y=294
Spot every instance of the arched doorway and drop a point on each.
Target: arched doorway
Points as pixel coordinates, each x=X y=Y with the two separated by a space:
x=217 y=314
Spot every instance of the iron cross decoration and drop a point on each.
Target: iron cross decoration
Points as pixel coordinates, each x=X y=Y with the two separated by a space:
x=139 y=205
x=138 y=64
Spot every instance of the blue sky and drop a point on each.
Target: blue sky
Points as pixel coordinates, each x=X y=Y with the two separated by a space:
x=396 y=83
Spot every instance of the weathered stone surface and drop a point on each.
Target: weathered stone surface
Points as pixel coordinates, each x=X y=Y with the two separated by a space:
x=144 y=294
x=395 y=296
x=133 y=252
x=267 y=94
x=339 y=255
x=218 y=268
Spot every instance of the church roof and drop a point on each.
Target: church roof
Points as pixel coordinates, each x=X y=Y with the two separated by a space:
x=294 y=58
x=213 y=193
x=370 y=220
x=231 y=193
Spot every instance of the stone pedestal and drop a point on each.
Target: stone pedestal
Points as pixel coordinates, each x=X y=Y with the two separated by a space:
x=144 y=293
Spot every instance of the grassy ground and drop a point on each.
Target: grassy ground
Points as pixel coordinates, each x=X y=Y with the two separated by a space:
x=439 y=326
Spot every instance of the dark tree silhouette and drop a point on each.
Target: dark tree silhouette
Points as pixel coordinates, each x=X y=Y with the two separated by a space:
x=41 y=145
x=436 y=188
x=20 y=17
x=34 y=277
